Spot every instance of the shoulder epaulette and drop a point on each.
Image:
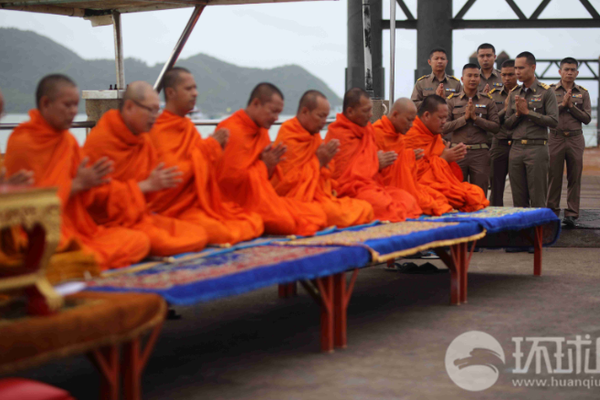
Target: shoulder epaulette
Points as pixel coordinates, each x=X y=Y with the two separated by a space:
x=489 y=95
x=515 y=88
x=423 y=77
x=552 y=84
x=449 y=97
x=581 y=87
x=453 y=77
x=492 y=91
x=545 y=86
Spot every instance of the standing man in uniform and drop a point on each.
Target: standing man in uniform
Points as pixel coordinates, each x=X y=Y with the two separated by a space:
x=437 y=82
x=490 y=76
x=567 y=142
x=470 y=116
x=532 y=109
x=501 y=142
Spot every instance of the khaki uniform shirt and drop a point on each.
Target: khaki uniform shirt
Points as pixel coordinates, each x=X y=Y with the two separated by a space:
x=499 y=96
x=581 y=112
x=543 y=112
x=428 y=84
x=495 y=81
x=469 y=131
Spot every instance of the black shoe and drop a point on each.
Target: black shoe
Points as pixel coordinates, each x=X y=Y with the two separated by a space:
x=569 y=222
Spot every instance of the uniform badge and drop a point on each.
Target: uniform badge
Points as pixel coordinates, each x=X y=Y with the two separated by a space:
x=479 y=105
x=428 y=88
x=577 y=95
x=498 y=84
x=450 y=90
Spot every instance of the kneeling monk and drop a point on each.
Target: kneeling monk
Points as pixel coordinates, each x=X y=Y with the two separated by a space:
x=389 y=135
x=250 y=161
x=121 y=136
x=358 y=163
x=434 y=167
x=45 y=146
x=198 y=198
x=308 y=163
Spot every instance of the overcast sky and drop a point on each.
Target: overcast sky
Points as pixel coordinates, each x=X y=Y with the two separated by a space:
x=310 y=34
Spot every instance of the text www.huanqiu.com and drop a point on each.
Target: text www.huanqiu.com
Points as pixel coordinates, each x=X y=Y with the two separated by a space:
x=558 y=382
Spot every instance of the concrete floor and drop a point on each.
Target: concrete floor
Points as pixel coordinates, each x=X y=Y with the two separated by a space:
x=256 y=346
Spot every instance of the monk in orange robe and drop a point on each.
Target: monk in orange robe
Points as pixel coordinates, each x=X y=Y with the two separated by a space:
x=389 y=136
x=198 y=198
x=21 y=178
x=250 y=161
x=120 y=136
x=358 y=163
x=45 y=146
x=306 y=170
x=435 y=167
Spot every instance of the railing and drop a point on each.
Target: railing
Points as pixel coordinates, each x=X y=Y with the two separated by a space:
x=91 y=124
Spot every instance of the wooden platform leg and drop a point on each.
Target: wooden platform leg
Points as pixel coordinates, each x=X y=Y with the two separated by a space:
x=134 y=361
x=454 y=264
x=537 y=250
x=325 y=286
x=106 y=361
x=287 y=290
x=341 y=299
x=468 y=253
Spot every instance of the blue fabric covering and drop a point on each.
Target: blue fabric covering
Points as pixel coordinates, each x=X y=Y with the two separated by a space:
x=499 y=219
x=231 y=273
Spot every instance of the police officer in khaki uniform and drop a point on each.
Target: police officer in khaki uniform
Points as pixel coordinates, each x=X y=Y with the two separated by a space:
x=470 y=116
x=566 y=142
x=437 y=82
x=501 y=142
x=531 y=110
x=490 y=76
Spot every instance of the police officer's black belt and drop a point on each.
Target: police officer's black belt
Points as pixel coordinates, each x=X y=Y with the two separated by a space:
x=532 y=142
x=505 y=142
x=576 y=132
x=473 y=146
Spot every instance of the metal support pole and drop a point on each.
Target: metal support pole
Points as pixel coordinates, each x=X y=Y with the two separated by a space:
x=392 y=49
x=367 y=46
x=179 y=46
x=598 y=109
x=118 y=34
x=434 y=29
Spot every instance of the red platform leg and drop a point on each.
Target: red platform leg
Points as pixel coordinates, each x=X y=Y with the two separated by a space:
x=341 y=299
x=287 y=290
x=537 y=250
x=454 y=264
x=106 y=361
x=322 y=292
x=134 y=361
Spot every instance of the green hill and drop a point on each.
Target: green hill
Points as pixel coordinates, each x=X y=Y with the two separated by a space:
x=27 y=57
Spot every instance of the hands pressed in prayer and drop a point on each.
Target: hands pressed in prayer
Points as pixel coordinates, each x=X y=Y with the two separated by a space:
x=272 y=155
x=455 y=153
x=470 y=113
x=486 y=89
x=522 y=108
x=161 y=178
x=386 y=158
x=21 y=178
x=221 y=136
x=89 y=177
x=419 y=153
x=568 y=99
x=327 y=151
x=440 y=90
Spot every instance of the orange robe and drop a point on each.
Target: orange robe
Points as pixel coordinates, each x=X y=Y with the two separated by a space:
x=403 y=173
x=304 y=180
x=54 y=157
x=198 y=199
x=244 y=178
x=436 y=173
x=357 y=172
x=135 y=158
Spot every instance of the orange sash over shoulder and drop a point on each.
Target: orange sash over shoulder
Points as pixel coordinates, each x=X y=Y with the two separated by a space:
x=403 y=173
x=244 y=178
x=303 y=178
x=435 y=172
x=198 y=199
x=134 y=158
x=357 y=172
x=54 y=157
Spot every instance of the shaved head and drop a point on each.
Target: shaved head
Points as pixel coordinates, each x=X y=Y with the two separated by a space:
x=352 y=98
x=173 y=77
x=50 y=85
x=309 y=100
x=264 y=92
x=402 y=115
x=139 y=107
x=357 y=106
x=137 y=91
